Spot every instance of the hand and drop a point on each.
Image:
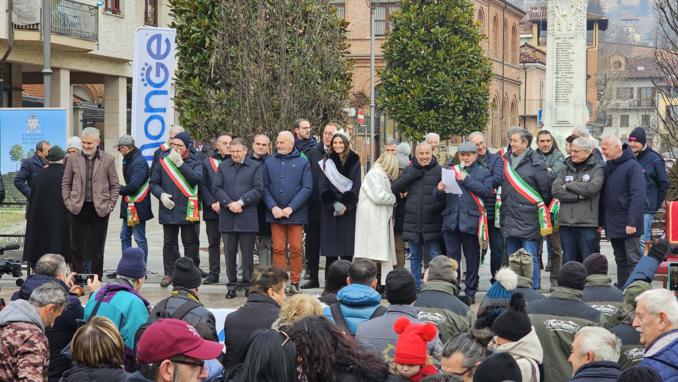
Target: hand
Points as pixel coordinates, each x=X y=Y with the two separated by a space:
x=216 y=207
x=287 y=211
x=461 y=176
x=600 y=230
x=339 y=208
x=404 y=194
x=277 y=212
x=93 y=284
x=175 y=157
x=69 y=280
x=630 y=230
x=235 y=207
x=441 y=186
x=167 y=201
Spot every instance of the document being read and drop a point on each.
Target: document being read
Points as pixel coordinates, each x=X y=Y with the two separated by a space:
x=450 y=182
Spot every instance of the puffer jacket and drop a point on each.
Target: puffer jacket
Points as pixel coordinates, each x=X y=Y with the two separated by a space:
x=287 y=183
x=438 y=303
x=357 y=303
x=624 y=196
x=519 y=218
x=662 y=355
x=579 y=199
x=528 y=354
x=656 y=178
x=85 y=373
x=259 y=312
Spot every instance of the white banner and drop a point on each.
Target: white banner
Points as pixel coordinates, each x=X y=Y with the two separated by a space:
x=152 y=72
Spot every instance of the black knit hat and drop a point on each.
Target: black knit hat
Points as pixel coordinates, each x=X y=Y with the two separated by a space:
x=595 y=264
x=638 y=135
x=186 y=274
x=498 y=367
x=401 y=288
x=572 y=275
x=514 y=323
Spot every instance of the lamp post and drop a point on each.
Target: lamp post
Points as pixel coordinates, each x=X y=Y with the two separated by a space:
x=46 y=46
x=373 y=105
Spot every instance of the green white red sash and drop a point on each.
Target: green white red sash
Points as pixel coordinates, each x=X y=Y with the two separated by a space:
x=165 y=146
x=483 y=233
x=497 y=193
x=138 y=197
x=554 y=208
x=532 y=196
x=190 y=192
x=214 y=162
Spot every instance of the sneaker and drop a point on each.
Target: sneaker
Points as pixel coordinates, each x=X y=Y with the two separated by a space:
x=211 y=279
x=230 y=294
x=294 y=289
x=112 y=275
x=166 y=281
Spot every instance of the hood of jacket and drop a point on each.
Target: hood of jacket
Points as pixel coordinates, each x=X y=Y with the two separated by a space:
x=20 y=311
x=358 y=295
x=526 y=347
x=33 y=282
x=440 y=286
x=626 y=156
x=598 y=281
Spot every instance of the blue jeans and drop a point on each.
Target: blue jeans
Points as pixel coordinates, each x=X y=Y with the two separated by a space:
x=513 y=244
x=647 y=231
x=139 y=232
x=415 y=256
x=578 y=242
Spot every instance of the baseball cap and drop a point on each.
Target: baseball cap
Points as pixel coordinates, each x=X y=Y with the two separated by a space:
x=169 y=337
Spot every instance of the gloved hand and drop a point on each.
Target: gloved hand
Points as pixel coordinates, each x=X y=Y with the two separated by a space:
x=659 y=250
x=339 y=208
x=175 y=158
x=166 y=200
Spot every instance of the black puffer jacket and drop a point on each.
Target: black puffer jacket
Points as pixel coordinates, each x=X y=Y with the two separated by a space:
x=84 y=373
x=423 y=219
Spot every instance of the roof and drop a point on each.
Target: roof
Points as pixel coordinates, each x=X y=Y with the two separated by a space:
x=641 y=67
x=540 y=14
x=529 y=54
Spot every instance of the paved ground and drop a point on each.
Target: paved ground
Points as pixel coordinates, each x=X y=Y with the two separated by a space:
x=213 y=295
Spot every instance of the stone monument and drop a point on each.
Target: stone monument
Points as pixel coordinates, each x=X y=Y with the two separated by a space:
x=565 y=99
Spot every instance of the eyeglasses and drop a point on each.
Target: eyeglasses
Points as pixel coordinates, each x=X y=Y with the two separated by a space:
x=460 y=374
x=191 y=362
x=283 y=335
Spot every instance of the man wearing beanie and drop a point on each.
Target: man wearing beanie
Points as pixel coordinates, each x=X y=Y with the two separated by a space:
x=599 y=292
x=514 y=334
x=174 y=182
x=498 y=367
x=377 y=334
x=184 y=302
x=521 y=263
x=557 y=319
x=120 y=300
x=437 y=300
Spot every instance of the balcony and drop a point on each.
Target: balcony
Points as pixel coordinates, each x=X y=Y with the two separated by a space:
x=74 y=25
x=531 y=106
x=644 y=103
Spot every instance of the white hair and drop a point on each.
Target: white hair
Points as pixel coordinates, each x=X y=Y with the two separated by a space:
x=48 y=293
x=90 y=132
x=476 y=134
x=422 y=144
x=583 y=143
x=433 y=136
x=262 y=136
x=581 y=131
x=176 y=130
x=513 y=130
x=600 y=342
x=51 y=264
x=660 y=301
x=286 y=134
x=609 y=137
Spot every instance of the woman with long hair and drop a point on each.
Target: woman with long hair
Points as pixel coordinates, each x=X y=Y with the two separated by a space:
x=338 y=189
x=335 y=280
x=327 y=354
x=270 y=357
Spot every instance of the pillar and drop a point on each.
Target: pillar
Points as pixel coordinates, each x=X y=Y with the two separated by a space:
x=61 y=95
x=16 y=82
x=115 y=111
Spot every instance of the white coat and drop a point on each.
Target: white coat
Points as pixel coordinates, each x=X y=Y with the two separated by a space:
x=374 y=237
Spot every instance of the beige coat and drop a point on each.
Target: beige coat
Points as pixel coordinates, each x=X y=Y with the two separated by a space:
x=105 y=184
x=528 y=354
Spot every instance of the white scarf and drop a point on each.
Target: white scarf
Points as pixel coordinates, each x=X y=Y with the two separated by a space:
x=342 y=183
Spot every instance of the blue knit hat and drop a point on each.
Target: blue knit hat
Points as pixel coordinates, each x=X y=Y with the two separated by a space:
x=132 y=263
x=499 y=294
x=185 y=138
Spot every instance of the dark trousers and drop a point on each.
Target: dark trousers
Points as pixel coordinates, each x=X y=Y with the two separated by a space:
x=312 y=249
x=497 y=250
x=214 y=246
x=626 y=255
x=329 y=260
x=170 y=245
x=86 y=227
x=578 y=242
x=455 y=241
x=246 y=242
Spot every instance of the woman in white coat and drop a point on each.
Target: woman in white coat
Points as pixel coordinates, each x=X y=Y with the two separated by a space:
x=374 y=238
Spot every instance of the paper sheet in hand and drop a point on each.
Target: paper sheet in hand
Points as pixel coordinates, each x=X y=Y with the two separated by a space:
x=450 y=181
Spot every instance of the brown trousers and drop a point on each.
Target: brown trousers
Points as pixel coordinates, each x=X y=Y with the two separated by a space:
x=282 y=234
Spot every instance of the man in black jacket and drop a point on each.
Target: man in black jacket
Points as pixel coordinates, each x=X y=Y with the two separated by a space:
x=599 y=292
x=261 y=149
x=31 y=166
x=594 y=356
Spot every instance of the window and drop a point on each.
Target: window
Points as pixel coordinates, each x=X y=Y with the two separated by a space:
x=382 y=18
x=646 y=93
x=608 y=121
x=504 y=42
x=113 y=6
x=542 y=33
x=645 y=120
x=624 y=120
x=151 y=12
x=481 y=20
x=340 y=7
x=515 y=51
x=495 y=36
x=624 y=93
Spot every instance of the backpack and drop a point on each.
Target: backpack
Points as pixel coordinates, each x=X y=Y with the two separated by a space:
x=161 y=312
x=339 y=319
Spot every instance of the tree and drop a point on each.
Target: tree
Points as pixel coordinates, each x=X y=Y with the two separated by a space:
x=436 y=76
x=250 y=66
x=666 y=57
x=16 y=154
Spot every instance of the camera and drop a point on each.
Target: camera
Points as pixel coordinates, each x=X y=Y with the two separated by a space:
x=81 y=278
x=9 y=266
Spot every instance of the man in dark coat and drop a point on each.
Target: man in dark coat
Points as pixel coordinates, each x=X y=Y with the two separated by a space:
x=303 y=139
x=30 y=167
x=52 y=268
x=599 y=292
x=261 y=149
x=238 y=187
x=624 y=200
x=520 y=219
x=594 y=356
x=423 y=221
x=211 y=206
x=656 y=179
x=175 y=183
x=314 y=209
x=464 y=215
x=48 y=228
x=135 y=204
x=164 y=148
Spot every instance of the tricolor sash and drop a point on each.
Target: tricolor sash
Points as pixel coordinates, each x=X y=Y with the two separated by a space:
x=214 y=162
x=554 y=208
x=483 y=233
x=191 y=192
x=138 y=197
x=497 y=193
x=165 y=146
x=532 y=196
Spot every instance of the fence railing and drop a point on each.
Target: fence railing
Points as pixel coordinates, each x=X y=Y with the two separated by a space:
x=72 y=19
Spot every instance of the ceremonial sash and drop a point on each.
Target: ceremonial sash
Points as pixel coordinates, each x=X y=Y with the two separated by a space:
x=138 y=197
x=214 y=162
x=554 y=208
x=483 y=233
x=497 y=192
x=342 y=183
x=532 y=196
x=165 y=146
x=191 y=192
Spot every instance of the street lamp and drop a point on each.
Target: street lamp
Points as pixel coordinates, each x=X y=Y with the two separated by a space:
x=373 y=105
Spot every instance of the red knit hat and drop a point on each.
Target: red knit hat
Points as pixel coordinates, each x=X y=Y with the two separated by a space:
x=412 y=348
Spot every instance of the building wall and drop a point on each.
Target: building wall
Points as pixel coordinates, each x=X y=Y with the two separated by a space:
x=532 y=95
x=616 y=109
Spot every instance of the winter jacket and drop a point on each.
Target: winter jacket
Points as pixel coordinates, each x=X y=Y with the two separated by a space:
x=555 y=161
x=525 y=287
x=630 y=355
x=579 y=199
x=377 y=334
x=314 y=156
x=264 y=227
x=23 y=181
x=597 y=371
x=23 y=344
x=61 y=333
x=624 y=197
x=102 y=374
x=662 y=356
x=423 y=221
x=104 y=183
x=438 y=303
x=357 y=303
x=305 y=145
x=564 y=302
x=337 y=233
x=528 y=354
x=136 y=172
x=259 y=312
x=239 y=182
x=519 y=218
x=287 y=183
x=602 y=296
x=656 y=178
x=121 y=304
x=197 y=315
x=461 y=211
x=210 y=170
x=162 y=183
x=495 y=166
